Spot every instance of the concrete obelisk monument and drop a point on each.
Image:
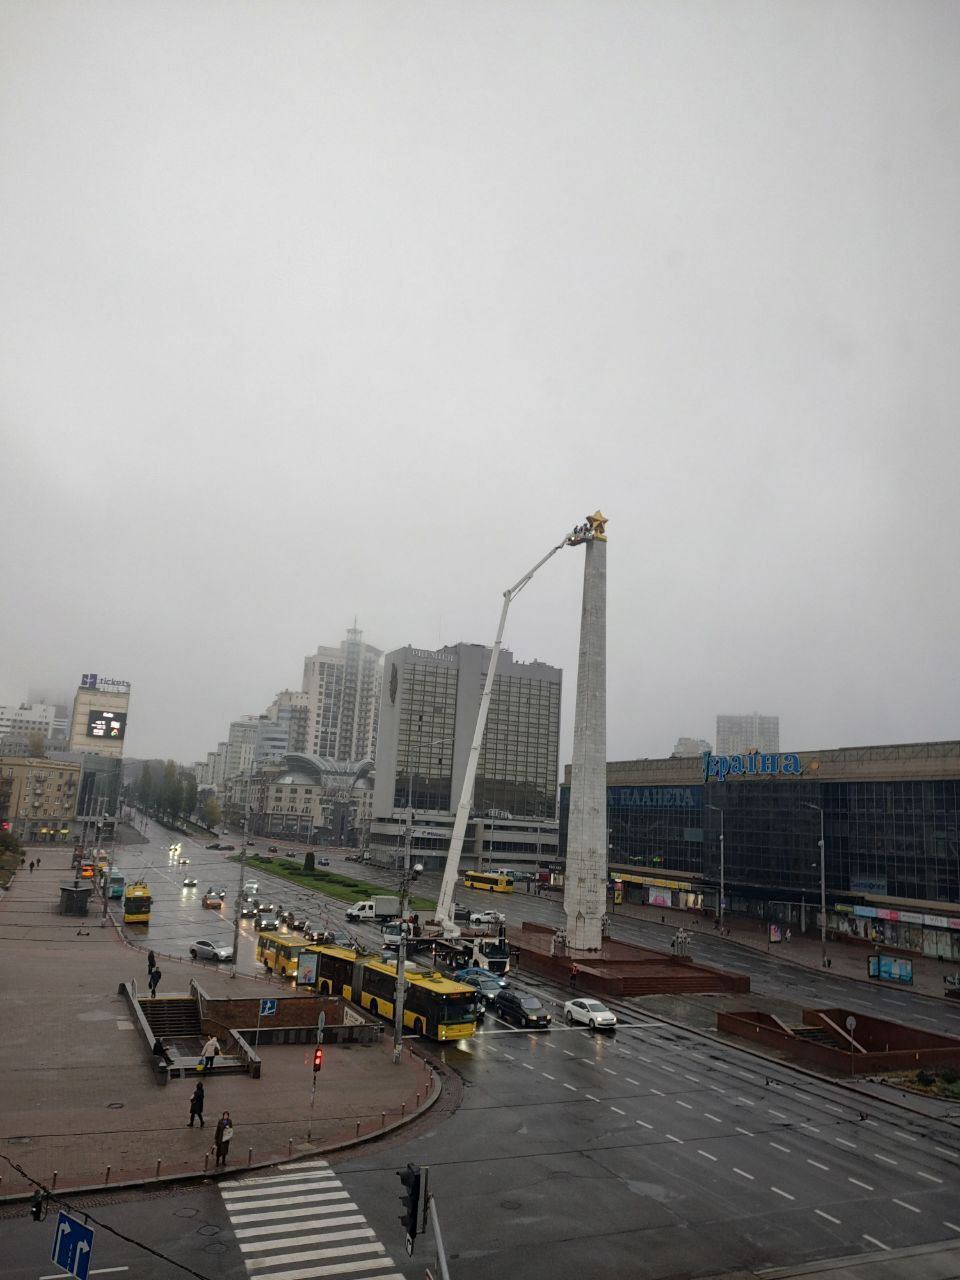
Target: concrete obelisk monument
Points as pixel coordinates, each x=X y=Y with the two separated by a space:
x=585 y=880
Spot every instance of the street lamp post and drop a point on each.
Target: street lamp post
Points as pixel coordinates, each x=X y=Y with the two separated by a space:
x=823 y=887
x=722 y=868
x=239 y=902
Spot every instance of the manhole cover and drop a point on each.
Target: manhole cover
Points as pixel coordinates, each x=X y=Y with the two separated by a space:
x=115 y=1106
x=209 y=1230
x=510 y=1204
x=185 y=1213
x=215 y=1248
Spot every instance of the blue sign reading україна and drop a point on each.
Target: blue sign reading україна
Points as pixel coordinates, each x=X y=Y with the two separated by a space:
x=756 y=764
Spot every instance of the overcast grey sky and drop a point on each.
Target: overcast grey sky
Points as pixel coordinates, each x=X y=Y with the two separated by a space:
x=313 y=310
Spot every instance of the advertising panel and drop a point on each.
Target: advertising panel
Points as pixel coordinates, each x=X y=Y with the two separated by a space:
x=307 y=968
x=660 y=898
x=106 y=724
x=890 y=968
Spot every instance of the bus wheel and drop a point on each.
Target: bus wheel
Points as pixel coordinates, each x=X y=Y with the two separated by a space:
x=418 y=1026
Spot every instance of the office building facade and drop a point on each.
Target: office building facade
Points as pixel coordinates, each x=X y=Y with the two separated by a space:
x=428 y=713
x=99 y=721
x=752 y=732
x=891 y=826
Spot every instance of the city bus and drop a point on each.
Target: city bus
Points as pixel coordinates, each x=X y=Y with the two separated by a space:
x=494 y=881
x=434 y=1006
x=278 y=952
x=136 y=904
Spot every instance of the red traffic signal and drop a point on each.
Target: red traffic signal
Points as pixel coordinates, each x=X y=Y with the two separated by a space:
x=317 y=1059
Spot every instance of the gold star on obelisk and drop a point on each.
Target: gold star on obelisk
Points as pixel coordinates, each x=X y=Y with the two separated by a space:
x=598 y=525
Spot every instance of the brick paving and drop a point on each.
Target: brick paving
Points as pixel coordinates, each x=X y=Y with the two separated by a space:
x=79 y=1092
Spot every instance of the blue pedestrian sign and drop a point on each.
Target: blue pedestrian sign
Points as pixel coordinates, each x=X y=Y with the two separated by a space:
x=72 y=1246
x=267 y=1007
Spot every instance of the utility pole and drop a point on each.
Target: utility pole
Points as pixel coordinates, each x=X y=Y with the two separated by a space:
x=823 y=887
x=402 y=943
x=719 y=810
x=239 y=902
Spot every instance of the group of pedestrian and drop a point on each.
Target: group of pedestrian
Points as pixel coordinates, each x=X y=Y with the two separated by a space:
x=208 y=1055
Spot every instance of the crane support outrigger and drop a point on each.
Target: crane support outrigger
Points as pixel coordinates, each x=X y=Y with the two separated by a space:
x=445 y=904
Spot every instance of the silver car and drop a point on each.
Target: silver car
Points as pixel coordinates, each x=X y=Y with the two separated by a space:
x=202 y=950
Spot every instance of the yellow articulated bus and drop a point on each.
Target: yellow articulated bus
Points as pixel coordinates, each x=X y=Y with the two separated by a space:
x=279 y=953
x=495 y=881
x=136 y=904
x=434 y=1006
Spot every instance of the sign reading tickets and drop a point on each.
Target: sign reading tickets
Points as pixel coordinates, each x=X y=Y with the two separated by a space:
x=307 y=968
x=756 y=764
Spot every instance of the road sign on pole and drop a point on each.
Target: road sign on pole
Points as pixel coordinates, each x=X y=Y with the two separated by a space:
x=72 y=1246
x=268 y=1008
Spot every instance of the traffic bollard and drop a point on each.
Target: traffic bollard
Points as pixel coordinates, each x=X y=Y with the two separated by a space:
x=53 y=1184
x=107 y=1178
x=418 y=1100
x=157 y=1174
x=249 y=1156
x=383 y=1118
x=403 y=1110
x=289 y=1148
x=206 y=1161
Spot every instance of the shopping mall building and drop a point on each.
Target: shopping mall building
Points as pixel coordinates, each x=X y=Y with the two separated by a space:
x=891 y=832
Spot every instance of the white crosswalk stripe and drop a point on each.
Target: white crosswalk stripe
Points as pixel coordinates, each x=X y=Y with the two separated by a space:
x=300 y=1224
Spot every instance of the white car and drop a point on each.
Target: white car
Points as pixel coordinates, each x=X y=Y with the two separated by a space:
x=210 y=951
x=487 y=917
x=590 y=1012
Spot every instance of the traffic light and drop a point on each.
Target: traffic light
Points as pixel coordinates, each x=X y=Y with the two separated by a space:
x=410 y=1198
x=317 y=1058
x=37 y=1207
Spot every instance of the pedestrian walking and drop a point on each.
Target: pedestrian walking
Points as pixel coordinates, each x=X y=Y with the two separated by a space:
x=31 y=866
x=222 y=1139
x=575 y=969
x=38 y=862
x=196 y=1105
x=788 y=935
x=151 y=963
x=159 y=1051
x=154 y=982
x=210 y=1051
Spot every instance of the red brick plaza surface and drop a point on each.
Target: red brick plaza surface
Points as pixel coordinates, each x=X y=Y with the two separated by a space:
x=79 y=1091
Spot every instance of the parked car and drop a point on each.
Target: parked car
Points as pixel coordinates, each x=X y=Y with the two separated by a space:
x=211 y=900
x=461 y=912
x=215 y=845
x=487 y=917
x=190 y=882
x=273 y=849
x=589 y=1012
x=323 y=862
x=523 y=1009
x=227 y=848
x=266 y=923
x=210 y=951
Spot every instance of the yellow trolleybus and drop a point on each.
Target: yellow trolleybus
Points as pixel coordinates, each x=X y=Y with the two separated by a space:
x=434 y=1006
x=495 y=881
x=278 y=952
x=136 y=904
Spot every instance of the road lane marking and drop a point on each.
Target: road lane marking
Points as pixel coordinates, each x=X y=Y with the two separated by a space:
x=673 y=1139
x=746 y=1101
x=857 y=1183
x=664 y=1067
x=910 y=1137
x=746 y=1074
x=695 y=1079
x=929 y=1176
x=747 y=1132
x=510 y=1058
x=657 y=1092
x=952 y=1225
x=878 y=1243
x=629 y=1081
x=886 y=1159
x=903 y=1204
x=743 y=1174
x=643 y=1124
x=780 y=1147
x=569 y=1054
x=716 y=1088
x=831 y=1107
x=707 y=1154
x=715 y=1119
x=618 y=1111
x=786 y=1194
x=591 y=1097
x=547 y=1076
x=804 y=1096
x=680 y=1103
x=609 y=1072
x=573 y=1087
x=817 y=1165
x=527 y=1065
x=829 y=1216
x=812 y=1127
x=643 y=1059
x=845 y=1143
x=778 y=1114
x=944 y=1152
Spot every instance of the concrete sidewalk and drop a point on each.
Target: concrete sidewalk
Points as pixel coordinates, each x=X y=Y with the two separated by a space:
x=79 y=1092
x=847 y=959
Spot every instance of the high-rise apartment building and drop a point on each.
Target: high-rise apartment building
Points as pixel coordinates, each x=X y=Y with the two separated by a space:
x=690 y=747
x=428 y=714
x=290 y=709
x=342 y=688
x=241 y=744
x=739 y=734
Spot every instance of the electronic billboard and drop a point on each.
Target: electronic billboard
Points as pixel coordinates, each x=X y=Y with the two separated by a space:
x=107 y=724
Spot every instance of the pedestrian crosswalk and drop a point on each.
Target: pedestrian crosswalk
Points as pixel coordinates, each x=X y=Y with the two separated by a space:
x=300 y=1224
